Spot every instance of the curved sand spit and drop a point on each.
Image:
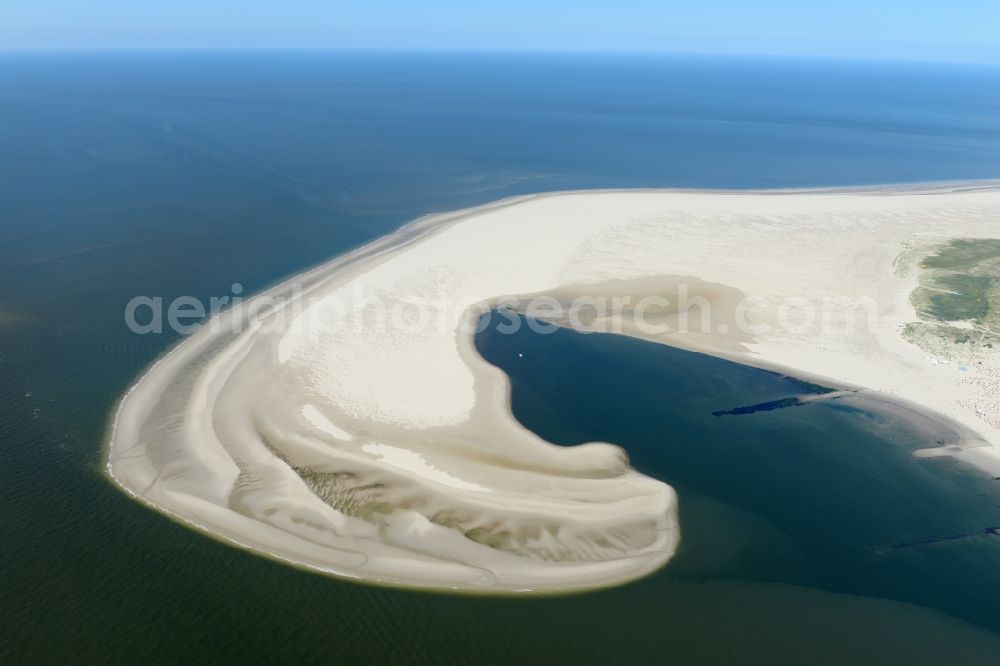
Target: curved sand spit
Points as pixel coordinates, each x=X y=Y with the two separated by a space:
x=353 y=428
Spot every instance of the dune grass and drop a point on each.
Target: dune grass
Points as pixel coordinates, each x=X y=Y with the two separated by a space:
x=958 y=297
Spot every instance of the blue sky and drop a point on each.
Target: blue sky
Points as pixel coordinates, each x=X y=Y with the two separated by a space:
x=958 y=30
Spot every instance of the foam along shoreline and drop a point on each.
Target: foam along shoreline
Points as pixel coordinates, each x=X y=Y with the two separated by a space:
x=386 y=450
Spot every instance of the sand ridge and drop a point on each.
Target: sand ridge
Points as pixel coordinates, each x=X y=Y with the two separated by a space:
x=353 y=428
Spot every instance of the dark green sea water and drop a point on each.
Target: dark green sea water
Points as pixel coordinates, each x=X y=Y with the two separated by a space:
x=125 y=175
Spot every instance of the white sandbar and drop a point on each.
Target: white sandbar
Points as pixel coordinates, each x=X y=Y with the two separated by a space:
x=355 y=430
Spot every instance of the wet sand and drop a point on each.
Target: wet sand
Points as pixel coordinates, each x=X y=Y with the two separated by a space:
x=353 y=429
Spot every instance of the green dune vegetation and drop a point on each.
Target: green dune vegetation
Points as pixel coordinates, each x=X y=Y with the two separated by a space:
x=958 y=299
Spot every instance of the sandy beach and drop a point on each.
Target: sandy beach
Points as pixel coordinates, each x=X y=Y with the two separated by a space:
x=344 y=422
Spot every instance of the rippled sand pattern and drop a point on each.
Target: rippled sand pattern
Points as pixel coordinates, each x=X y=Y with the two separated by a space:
x=353 y=428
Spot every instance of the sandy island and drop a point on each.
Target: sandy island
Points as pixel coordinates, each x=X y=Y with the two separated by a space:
x=343 y=421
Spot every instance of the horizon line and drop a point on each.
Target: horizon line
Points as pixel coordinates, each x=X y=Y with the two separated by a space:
x=449 y=50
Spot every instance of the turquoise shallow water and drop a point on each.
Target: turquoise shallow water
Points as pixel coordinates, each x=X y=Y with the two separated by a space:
x=174 y=175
